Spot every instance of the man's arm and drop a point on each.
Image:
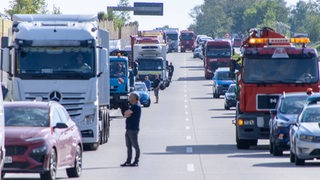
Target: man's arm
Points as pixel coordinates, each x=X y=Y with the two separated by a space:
x=128 y=113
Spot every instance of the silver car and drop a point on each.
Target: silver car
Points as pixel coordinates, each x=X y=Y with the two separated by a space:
x=305 y=136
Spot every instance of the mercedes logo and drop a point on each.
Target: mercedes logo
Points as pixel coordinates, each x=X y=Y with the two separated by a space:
x=55 y=96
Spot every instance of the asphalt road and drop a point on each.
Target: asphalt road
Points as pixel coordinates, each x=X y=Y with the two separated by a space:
x=188 y=136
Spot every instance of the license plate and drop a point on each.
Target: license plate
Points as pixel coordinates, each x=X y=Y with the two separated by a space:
x=260 y=122
x=8 y=159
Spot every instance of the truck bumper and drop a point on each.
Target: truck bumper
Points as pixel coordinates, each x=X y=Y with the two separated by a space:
x=118 y=100
x=254 y=126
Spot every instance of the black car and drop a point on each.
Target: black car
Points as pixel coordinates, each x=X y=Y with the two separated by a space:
x=288 y=108
x=230 y=99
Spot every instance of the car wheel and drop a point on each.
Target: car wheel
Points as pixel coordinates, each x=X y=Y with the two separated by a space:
x=241 y=143
x=77 y=169
x=277 y=151
x=298 y=161
x=148 y=104
x=292 y=157
x=51 y=174
x=91 y=146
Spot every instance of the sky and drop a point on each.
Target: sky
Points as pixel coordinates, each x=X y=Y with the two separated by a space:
x=176 y=12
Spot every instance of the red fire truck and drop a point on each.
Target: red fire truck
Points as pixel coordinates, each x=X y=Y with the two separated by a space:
x=187 y=40
x=271 y=65
x=217 y=54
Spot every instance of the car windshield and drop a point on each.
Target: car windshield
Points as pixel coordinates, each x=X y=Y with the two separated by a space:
x=292 y=105
x=280 y=71
x=218 y=52
x=150 y=64
x=311 y=115
x=55 y=62
x=26 y=116
x=232 y=89
x=118 y=69
x=172 y=36
x=140 y=87
x=223 y=76
x=187 y=36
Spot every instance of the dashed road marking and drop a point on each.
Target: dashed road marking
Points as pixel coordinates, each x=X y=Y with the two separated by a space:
x=185 y=100
x=186 y=106
x=187 y=112
x=188 y=137
x=185 y=95
x=187 y=119
x=189 y=150
x=188 y=127
x=190 y=167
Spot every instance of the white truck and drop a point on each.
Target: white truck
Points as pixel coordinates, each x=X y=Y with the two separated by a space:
x=152 y=60
x=62 y=58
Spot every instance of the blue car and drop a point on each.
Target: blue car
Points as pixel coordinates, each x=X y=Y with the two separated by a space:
x=288 y=108
x=144 y=94
x=221 y=82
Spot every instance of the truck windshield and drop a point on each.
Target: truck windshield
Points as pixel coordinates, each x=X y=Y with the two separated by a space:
x=118 y=69
x=55 y=63
x=150 y=64
x=280 y=71
x=187 y=36
x=172 y=36
x=293 y=105
x=218 y=52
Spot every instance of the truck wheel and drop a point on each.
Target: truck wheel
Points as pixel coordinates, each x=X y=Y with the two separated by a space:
x=292 y=157
x=91 y=146
x=270 y=146
x=226 y=107
x=298 y=161
x=216 y=96
x=241 y=143
x=277 y=151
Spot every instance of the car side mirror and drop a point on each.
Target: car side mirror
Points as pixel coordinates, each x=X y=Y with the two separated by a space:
x=61 y=126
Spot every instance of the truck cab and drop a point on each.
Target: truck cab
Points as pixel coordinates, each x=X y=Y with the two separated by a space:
x=187 y=40
x=119 y=82
x=217 y=54
x=270 y=65
x=173 y=40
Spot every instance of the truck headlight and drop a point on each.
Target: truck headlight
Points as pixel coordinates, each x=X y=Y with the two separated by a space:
x=123 y=97
x=248 y=122
x=89 y=119
x=308 y=138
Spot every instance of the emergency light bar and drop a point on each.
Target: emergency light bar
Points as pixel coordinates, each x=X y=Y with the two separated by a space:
x=279 y=40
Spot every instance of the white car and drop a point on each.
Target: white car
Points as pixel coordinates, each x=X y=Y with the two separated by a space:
x=305 y=136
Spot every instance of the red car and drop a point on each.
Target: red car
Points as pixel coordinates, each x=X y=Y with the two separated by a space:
x=40 y=137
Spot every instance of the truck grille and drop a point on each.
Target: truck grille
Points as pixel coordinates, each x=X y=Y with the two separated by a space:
x=267 y=101
x=73 y=102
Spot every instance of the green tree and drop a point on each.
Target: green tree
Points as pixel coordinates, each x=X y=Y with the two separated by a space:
x=26 y=7
x=124 y=16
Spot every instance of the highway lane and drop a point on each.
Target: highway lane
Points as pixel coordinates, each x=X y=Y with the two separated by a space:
x=186 y=136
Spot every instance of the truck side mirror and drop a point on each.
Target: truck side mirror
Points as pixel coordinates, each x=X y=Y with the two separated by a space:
x=5 y=56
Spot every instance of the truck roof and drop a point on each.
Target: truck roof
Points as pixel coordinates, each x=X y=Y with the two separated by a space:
x=55 y=27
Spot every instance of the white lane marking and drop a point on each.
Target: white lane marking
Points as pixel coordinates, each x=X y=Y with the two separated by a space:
x=185 y=100
x=189 y=150
x=190 y=167
x=188 y=137
x=185 y=95
x=186 y=106
x=187 y=119
x=185 y=91
x=187 y=112
x=188 y=127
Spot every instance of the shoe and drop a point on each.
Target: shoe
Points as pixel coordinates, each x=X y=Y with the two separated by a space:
x=135 y=164
x=126 y=164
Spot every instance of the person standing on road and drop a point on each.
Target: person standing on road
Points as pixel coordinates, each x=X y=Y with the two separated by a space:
x=156 y=87
x=171 y=70
x=147 y=82
x=132 y=129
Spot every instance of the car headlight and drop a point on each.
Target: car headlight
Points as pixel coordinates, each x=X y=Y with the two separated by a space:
x=308 y=138
x=40 y=150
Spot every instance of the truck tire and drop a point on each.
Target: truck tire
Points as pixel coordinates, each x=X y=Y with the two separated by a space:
x=298 y=161
x=242 y=143
x=276 y=151
x=292 y=157
x=91 y=146
x=226 y=107
x=270 y=145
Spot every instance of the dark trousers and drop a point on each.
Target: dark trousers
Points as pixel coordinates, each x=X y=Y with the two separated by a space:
x=132 y=141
